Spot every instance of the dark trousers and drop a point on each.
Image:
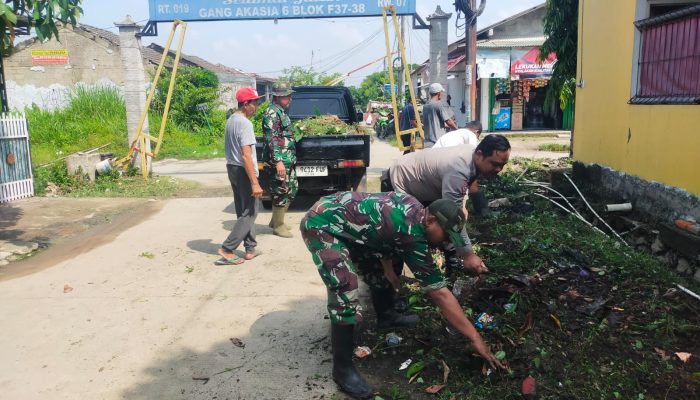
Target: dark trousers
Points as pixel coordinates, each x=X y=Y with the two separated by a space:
x=385 y=182
x=247 y=208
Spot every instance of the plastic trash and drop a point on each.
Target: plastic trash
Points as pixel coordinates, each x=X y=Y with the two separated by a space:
x=393 y=339
x=484 y=322
x=362 y=351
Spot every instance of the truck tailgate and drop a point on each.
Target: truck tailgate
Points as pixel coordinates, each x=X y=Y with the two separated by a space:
x=329 y=149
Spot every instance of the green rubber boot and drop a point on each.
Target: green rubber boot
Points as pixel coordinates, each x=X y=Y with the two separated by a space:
x=277 y=222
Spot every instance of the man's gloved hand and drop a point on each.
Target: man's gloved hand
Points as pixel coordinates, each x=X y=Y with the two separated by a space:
x=474 y=265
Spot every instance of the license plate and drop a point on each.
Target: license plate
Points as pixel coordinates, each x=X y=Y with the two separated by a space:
x=312 y=170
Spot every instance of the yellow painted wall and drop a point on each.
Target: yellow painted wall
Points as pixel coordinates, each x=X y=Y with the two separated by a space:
x=655 y=142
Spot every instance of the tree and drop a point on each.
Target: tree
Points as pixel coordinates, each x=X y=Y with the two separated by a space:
x=371 y=88
x=196 y=95
x=561 y=30
x=41 y=15
x=300 y=76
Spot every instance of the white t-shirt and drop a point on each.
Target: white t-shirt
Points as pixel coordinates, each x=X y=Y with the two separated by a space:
x=239 y=133
x=457 y=137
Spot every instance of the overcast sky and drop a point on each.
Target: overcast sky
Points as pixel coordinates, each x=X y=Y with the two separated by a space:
x=266 y=48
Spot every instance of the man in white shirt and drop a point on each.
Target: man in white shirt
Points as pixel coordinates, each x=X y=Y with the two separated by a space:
x=467 y=135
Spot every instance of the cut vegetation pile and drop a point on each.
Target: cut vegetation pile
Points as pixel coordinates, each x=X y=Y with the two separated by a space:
x=583 y=315
x=324 y=125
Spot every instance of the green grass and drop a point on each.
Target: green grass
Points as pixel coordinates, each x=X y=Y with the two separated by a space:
x=97 y=116
x=93 y=117
x=109 y=185
x=554 y=147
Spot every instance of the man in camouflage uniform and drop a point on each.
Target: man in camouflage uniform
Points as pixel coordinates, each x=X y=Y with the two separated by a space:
x=351 y=233
x=279 y=157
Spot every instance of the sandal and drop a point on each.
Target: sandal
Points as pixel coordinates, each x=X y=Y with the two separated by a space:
x=225 y=260
x=235 y=260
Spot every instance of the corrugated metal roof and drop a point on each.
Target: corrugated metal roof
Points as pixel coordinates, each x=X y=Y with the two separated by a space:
x=511 y=42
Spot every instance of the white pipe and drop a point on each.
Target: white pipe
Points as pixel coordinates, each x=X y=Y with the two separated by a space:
x=618 y=207
x=593 y=211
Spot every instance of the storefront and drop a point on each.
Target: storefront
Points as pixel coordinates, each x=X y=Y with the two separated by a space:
x=514 y=85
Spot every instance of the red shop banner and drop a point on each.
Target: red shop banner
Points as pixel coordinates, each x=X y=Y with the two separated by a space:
x=527 y=66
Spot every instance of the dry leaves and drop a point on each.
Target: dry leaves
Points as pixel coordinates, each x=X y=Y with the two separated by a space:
x=434 y=389
x=527 y=325
x=445 y=371
x=661 y=353
x=683 y=356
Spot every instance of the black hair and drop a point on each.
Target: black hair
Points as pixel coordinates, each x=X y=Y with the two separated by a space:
x=491 y=143
x=474 y=126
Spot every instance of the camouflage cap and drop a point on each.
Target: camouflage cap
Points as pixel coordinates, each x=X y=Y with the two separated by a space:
x=282 y=89
x=451 y=218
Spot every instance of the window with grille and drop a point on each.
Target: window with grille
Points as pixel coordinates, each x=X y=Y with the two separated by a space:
x=669 y=58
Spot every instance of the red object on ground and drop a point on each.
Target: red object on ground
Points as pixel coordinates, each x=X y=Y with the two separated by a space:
x=528 y=389
x=689 y=226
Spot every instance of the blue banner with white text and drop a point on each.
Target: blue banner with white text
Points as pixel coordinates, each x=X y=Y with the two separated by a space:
x=217 y=10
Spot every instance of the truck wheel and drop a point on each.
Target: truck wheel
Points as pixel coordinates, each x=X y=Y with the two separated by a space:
x=267 y=204
x=360 y=183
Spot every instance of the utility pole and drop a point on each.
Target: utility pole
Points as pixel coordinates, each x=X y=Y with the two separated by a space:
x=468 y=7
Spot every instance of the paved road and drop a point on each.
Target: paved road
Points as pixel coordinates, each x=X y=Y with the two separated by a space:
x=140 y=312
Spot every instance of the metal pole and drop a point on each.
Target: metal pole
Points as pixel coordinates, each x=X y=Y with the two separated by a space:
x=472 y=64
x=470 y=57
x=401 y=83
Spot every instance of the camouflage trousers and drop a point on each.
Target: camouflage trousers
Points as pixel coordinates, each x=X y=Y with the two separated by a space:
x=340 y=266
x=283 y=191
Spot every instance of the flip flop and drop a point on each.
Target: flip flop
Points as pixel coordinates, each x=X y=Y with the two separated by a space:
x=235 y=260
x=250 y=256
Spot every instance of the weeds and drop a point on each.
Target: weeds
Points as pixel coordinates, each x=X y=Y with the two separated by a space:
x=613 y=340
x=554 y=147
x=108 y=185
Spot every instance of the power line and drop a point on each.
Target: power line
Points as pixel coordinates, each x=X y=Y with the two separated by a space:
x=334 y=57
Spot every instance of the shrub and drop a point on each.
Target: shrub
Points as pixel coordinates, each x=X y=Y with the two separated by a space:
x=195 y=99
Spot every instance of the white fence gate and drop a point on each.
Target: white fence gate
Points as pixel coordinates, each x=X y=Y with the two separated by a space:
x=16 y=181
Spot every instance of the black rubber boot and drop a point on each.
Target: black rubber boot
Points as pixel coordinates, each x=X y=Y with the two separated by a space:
x=481 y=205
x=344 y=372
x=387 y=316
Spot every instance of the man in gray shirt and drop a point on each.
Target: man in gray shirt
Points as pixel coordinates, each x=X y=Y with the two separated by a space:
x=242 y=168
x=435 y=116
x=447 y=173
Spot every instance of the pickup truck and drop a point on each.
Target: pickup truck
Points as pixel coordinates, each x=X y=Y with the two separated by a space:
x=329 y=163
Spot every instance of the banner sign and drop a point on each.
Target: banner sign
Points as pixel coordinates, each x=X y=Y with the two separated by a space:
x=218 y=10
x=527 y=66
x=50 y=57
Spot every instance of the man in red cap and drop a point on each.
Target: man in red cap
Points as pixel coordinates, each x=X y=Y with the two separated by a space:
x=242 y=168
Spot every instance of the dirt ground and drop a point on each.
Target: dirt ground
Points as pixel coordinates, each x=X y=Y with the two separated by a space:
x=125 y=302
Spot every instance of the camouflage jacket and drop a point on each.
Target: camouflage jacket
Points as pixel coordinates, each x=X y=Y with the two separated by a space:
x=383 y=225
x=279 y=143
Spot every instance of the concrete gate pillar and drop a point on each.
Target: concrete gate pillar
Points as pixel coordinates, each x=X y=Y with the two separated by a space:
x=438 y=47
x=134 y=76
